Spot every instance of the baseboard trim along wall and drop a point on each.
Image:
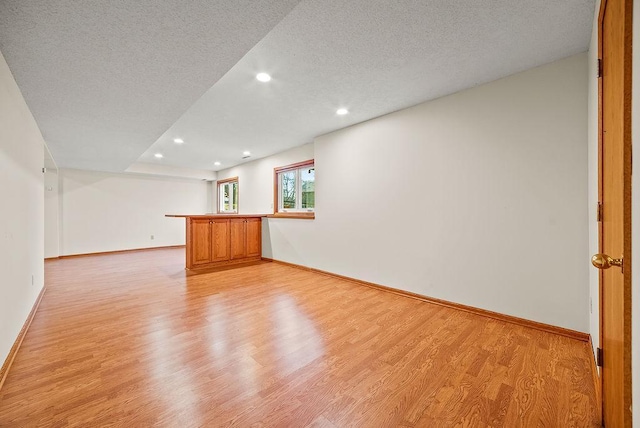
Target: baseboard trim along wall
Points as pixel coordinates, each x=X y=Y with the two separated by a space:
x=103 y=253
x=16 y=345
x=573 y=334
x=596 y=376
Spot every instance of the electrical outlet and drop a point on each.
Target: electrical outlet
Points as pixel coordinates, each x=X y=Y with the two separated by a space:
x=153 y=237
x=32 y=280
x=590 y=305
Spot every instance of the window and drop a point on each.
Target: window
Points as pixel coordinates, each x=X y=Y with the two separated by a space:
x=295 y=190
x=228 y=195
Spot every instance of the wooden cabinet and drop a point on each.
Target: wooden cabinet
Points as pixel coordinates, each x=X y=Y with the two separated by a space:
x=238 y=238
x=254 y=237
x=221 y=240
x=200 y=238
x=246 y=238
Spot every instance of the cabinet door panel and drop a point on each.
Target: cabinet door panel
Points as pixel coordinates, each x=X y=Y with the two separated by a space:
x=220 y=240
x=200 y=241
x=238 y=237
x=254 y=237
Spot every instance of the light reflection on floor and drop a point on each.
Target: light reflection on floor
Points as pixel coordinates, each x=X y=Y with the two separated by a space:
x=170 y=373
x=302 y=343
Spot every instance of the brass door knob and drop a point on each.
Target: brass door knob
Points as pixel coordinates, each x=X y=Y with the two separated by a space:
x=603 y=261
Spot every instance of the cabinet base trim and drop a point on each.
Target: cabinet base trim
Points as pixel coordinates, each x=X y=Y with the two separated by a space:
x=573 y=334
x=224 y=263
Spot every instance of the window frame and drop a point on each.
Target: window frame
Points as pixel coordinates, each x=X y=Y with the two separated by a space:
x=221 y=183
x=276 y=191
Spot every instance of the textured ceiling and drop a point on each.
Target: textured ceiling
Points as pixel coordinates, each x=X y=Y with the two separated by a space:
x=371 y=56
x=107 y=80
x=104 y=79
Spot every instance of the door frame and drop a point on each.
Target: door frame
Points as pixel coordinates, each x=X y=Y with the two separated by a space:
x=628 y=75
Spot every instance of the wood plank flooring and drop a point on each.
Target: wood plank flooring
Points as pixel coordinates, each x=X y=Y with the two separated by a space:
x=133 y=340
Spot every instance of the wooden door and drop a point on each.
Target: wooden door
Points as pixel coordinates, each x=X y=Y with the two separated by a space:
x=220 y=247
x=254 y=237
x=201 y=241
x=238 y=239
x=615 y=197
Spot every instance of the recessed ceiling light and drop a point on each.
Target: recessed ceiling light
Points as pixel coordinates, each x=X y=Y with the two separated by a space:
x=217 y=163
x=342 y=111
x=158 y=155
x=178 y=140
x=246 y=153
x=263 y=77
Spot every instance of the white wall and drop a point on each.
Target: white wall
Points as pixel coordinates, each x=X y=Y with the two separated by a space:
x=51 y=214
x=211 y=201
x=21 y=212
x=594 y=288
x=109 y=212
x=477 y=198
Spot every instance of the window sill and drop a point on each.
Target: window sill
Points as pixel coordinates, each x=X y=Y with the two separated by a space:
x=304 y=216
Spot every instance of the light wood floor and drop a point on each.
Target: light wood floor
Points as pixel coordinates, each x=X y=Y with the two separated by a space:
x=132 y=340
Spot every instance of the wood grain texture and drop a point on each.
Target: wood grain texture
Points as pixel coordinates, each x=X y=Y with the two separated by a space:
x=238 y=238
x=293 y=166
x=227 y=180
x=200 y=242
x=578 y=335
x=597 y=381
x=254 y=237
x=215 y=241
x=134 y=340
x=4 y=370
x=215 y=216
x=220 y=241
x=300 y=216
x=615 y=49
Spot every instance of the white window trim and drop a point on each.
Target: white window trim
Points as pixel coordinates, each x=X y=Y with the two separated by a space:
x=298 y=192
x=220 y=202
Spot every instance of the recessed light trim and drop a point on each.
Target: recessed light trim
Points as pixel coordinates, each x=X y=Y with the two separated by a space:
x=159 y=155
x=263 y=77
x=246 y=153
x=216 y=163
x=178 y=140
x=342 y=111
